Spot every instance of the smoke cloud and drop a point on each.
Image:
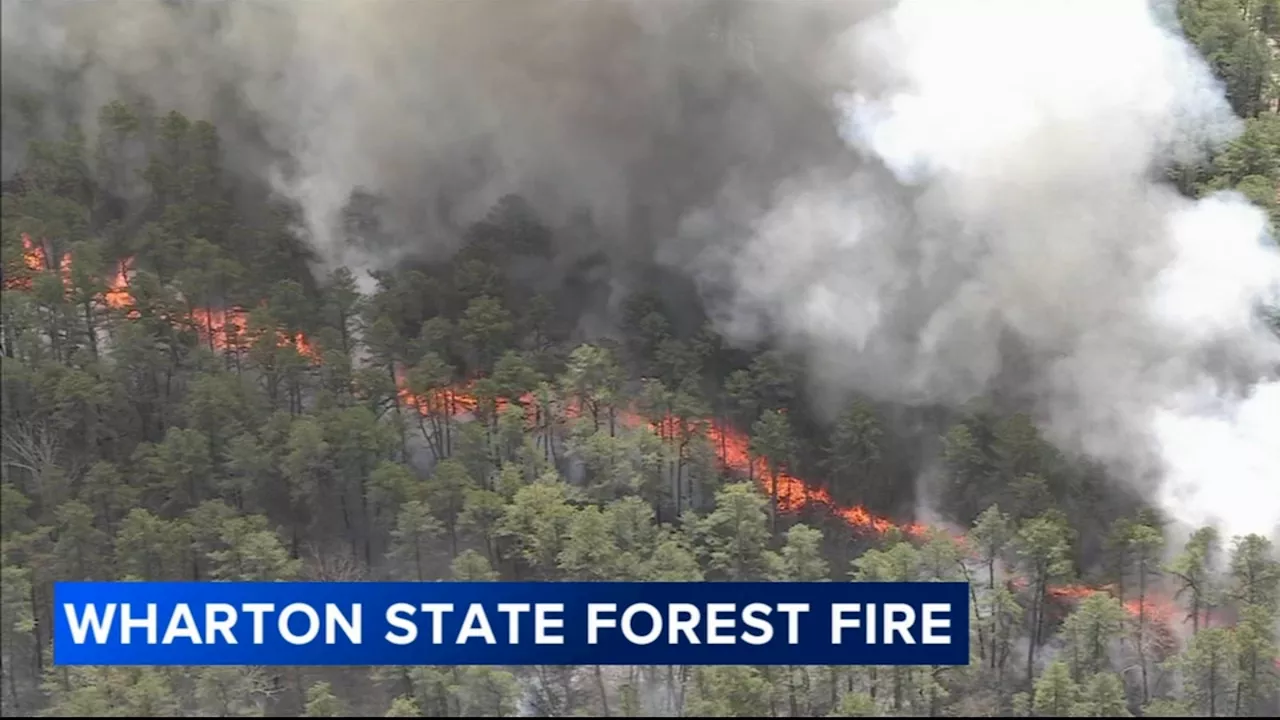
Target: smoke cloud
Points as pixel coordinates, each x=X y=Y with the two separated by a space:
x=630 y=110
x=931 y=199
x=1025 y=142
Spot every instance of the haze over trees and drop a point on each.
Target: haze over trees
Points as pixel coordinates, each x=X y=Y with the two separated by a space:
x=183 y=399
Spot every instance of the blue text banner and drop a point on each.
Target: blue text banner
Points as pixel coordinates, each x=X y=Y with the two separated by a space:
x=510 y=623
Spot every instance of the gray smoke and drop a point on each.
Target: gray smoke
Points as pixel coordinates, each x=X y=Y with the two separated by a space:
x=632 y=110
x=913 y=195
x=1024 y=141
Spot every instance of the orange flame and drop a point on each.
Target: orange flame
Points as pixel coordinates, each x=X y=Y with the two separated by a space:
x=450 y=401
x=227 y=329
x=733 y=448
x=220 y=327
x=733 y=451
x=117 y=295
x=35 y=259
x=1155 y=610
x=32 y=255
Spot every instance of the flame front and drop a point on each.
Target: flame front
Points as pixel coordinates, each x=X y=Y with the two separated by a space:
x=222 y=328
x=444 y=401
x=227 y=329
x=732 y=449
x=35 y=259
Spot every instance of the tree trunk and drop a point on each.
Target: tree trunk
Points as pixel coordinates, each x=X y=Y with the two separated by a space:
x=604 y=695
x=1142 y=626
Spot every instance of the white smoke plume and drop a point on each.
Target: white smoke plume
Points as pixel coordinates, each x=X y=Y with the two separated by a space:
x=1025 y=141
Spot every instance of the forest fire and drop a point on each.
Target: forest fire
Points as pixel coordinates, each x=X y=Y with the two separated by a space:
x=1154 y=608
x=733 y=452
x=35 y=258
x=117 y=295
x=445 y=401
x=228 y=329
x=221 y=328
x=733 y=449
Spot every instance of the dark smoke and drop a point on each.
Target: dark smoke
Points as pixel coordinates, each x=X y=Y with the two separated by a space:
x=637 y=112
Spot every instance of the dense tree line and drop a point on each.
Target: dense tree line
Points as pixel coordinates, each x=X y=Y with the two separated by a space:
x=184 y=400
